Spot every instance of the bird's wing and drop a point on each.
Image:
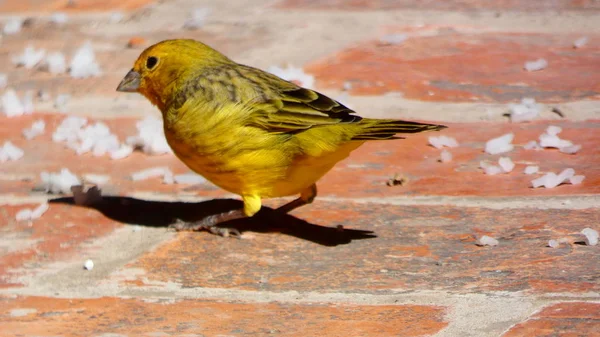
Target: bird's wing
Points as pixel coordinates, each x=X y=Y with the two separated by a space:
x=282 y=106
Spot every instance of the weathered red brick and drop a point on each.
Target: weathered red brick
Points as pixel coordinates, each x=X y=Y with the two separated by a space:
x=569 y=319
x=57 y=234
x=455 y=5
x=416 y=248
x=363 y=174
x=75 y=6
x=112 y=54
x=76 y=317
x=466 y=65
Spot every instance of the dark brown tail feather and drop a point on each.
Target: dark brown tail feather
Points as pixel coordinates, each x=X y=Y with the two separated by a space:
x=388 y=128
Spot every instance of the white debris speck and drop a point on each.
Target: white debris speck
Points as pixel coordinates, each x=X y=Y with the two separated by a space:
x=116 y=17
x=67 y=130
x=37 y=128
x=440 y=141
x=40 y=210
x=531 y=169
x=393 y=38
x=580 y=42
x=553 y=130
x=151 y=173
x=59 y=18
x=189 y=178
x=532 y=145
x=566 y=174
x=490 y=169
x=536 y=65
x=486 y=241
x=59 y=182
x=3 y=80
x=500 y=144
x=506 y=164
x=445 y=156
x=23 y=215
x=576 y=180
x=553 y=141
x=150 y=138
x=30 y=57
x=11 y=104
x=591 y=236
x=553 y=243
x=97 y=179
x=60 y=103
x=84 y=63
x=10 y=152
x=551 y=180
x=570 y=149
x=550 y=138
x=197 y=18
x=527 y=110
x=88 y=265
x=294 y=74
x=82 y=138
x=122 y=152
x=56 y=63
x=13 y=26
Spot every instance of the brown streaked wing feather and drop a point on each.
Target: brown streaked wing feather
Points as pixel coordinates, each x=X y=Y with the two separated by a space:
x=291 y=108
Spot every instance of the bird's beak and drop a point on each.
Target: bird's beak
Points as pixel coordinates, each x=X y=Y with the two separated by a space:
x=130 y=83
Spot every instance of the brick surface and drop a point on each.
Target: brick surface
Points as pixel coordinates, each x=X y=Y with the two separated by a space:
x=363 y=174
x=41 y=154
x=424 y=247
x=25 y=246
x=466 y=65
x=562 y=319
x=459 y=5
x=131 y=317
x=112 y=54
x=71 y=6
x=365 y=259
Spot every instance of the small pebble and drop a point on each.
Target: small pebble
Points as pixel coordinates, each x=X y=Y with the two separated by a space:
x=591 y=236
x=88 y=265
x=486 y=241
x=531 y=169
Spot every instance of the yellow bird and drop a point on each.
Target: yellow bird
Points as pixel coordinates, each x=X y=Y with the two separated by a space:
x=246 y=130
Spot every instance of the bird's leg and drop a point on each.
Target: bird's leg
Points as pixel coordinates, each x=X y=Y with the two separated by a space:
x=252 y=205
x=306 y=197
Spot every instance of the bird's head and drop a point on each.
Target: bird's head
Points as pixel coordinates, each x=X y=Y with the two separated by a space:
x=158 y=68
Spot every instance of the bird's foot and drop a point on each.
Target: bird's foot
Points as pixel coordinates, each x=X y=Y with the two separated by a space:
x=210 y=223
x=201 y=225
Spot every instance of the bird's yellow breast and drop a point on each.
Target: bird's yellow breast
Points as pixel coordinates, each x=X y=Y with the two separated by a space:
x=267 y=172
x=250 y=161
x=218 y=144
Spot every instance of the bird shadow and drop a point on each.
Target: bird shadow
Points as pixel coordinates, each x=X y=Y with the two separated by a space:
x=164 y=213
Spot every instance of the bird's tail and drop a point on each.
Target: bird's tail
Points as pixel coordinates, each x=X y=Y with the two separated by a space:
x=387 y=128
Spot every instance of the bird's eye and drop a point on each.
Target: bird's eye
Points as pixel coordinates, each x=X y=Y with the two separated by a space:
x=151 y=62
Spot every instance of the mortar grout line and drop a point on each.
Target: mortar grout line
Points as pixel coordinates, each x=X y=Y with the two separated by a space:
x=567 y=202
